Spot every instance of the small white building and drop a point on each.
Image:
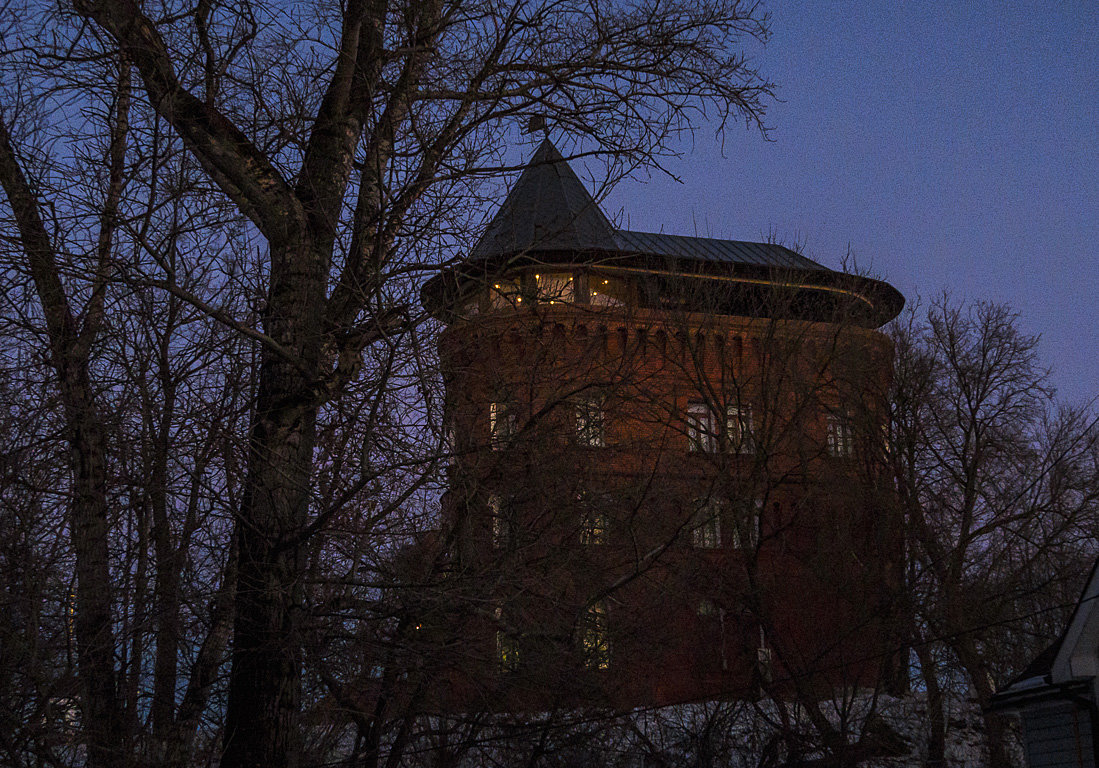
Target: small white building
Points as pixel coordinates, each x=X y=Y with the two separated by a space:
x=1056 y=696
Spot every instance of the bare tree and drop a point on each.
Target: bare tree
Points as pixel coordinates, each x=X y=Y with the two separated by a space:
x=137 y=396
x=71 y=332
x=350 y=138
x=997 y=482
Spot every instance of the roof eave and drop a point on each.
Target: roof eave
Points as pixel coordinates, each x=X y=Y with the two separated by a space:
x=882 y=301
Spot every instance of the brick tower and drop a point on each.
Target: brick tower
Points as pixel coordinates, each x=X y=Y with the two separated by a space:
x=665 y=482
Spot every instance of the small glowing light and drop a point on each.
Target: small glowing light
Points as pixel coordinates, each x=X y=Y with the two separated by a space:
x=604 y=282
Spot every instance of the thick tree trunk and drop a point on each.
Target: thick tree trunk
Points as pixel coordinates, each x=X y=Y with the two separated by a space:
x=102 y=716
x=133 y=669
x=936 y=739
x=88 y=521
x=169 y=564
x=262 y=726
x=995 y=725
x=204 y=672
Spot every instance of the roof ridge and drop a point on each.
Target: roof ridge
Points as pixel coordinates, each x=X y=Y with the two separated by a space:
x=716 y=249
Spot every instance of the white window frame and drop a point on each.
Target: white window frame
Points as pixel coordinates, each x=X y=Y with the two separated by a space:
x=706 y=524
x=738 y=429
x=841 y=435
x=590 y=420
x=700 y=428
x=754 y=514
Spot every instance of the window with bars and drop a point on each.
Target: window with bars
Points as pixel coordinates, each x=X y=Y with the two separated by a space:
x=503 y=423
x=590 y=421
x=700 y=428
x=841 y=435
x=594 y=517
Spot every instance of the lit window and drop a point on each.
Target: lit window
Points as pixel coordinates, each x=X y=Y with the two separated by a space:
x=593 y=521
x=507 y=647
x=594 y=643
x=505 y=294
x=706 y=527
x=746 y=525
x=554 y=288
x=738 y=428
x=503 y=424
x=589 y=421
x=607 y=291
x=841 y=438
x=503 y=522
x=700 y=428
x=594 y=530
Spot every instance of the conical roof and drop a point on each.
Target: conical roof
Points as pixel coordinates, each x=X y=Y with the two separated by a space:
x=547 y=209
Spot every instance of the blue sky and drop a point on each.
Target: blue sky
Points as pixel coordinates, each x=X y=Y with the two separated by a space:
x=949 y=145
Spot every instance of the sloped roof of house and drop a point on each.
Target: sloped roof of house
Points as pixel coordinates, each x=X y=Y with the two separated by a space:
x=549 y=217
x=1069 y=664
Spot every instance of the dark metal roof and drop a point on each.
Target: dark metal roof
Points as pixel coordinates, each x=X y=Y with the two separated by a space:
x=547 y=209
x=549 y=217
x=710 y=249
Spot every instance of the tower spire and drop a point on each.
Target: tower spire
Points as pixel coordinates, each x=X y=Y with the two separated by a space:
x=547 y=209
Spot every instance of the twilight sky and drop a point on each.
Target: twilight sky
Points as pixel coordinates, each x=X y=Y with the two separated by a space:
x=950 y=145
